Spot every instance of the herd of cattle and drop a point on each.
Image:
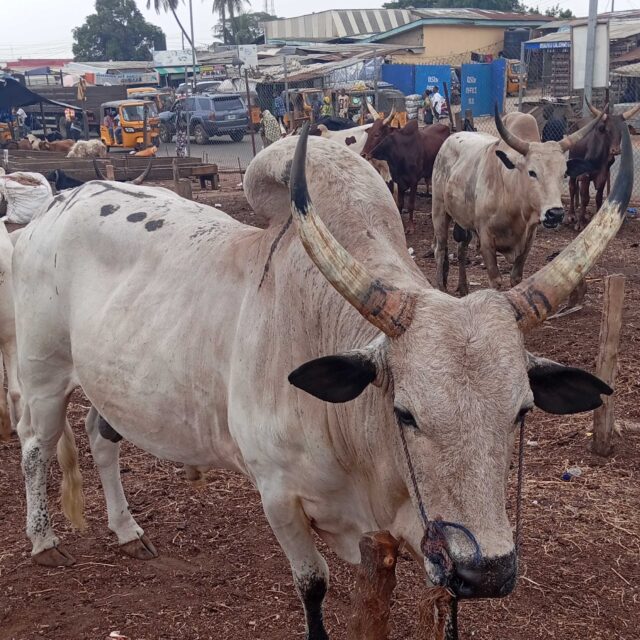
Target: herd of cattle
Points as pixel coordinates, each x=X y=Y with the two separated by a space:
x=312 y=356
x=54 y=142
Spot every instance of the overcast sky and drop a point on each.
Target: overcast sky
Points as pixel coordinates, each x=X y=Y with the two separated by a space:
x=42 y=29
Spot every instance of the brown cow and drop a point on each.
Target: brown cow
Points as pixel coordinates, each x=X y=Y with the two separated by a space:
x=24 y=145
x=410 y=153
x=599 y=149
x=61 y=145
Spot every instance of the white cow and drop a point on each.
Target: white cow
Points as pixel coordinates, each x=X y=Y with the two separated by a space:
x=181 y=325
x=10 y=407
x=355 y=139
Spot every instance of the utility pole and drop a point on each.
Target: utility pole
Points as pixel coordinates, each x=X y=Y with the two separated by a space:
x=591 y=54
x=193 y=45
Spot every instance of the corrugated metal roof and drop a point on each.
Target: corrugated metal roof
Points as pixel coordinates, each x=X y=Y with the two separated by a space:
x=631 y=70
x=618 y=30
x=479 y=14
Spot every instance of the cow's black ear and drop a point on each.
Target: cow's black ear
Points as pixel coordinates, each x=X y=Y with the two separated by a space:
x=505 y=159
x=563 y=390
x=577 y=166
x=335 y=378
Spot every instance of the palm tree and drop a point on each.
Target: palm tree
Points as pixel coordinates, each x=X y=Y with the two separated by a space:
x=220 y=7
x=170 y=5
x=234 y=6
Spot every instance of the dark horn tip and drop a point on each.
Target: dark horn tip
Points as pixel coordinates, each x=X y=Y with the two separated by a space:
x=299 y=192
x=623 y=185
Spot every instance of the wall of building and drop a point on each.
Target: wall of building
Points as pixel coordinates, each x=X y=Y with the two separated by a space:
x=454 y=43
x=411 y=38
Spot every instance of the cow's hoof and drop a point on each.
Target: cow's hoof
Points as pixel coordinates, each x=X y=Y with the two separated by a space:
x=140 y=549
x=54 y=557
x=462 y=291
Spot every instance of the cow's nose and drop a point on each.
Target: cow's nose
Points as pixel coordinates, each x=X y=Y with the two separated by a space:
x=553 y=217
x=486 y=578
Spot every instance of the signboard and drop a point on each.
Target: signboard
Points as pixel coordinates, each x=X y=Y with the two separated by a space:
x=483 y=85
x=558 y=44
x=432 y=75
x=248 y=54
x=579 y=56
x=173 y=58
x=122 y=78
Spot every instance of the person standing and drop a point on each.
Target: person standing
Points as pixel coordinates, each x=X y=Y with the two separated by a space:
x=343 y=104
x=326 y=110
x=427 y=112
x=270 y=130
x=437 y=100
x=279 y=108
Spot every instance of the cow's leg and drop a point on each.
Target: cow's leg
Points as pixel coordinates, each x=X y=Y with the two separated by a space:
x=463 y=285
x=488 y=252
x=105 y=455
x=310 y=571
x=573 y=196
x=13 y=386
x=441 y=220
x=585 y=184
x=411 y=227
x=42 y=424
x=5 y=417
x=400 y=199
x=518 y=264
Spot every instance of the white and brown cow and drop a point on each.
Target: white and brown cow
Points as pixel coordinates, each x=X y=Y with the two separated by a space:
x=329 y=301
x=500 y=190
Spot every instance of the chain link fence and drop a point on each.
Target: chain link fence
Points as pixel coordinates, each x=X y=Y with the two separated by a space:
x=538 y=84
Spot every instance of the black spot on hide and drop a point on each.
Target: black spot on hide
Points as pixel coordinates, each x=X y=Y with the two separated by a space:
x=108 y=209
x=139 y=216
x=286 y=173
x=152 y=225
x=350 y=140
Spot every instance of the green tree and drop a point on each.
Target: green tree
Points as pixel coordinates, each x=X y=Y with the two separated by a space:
x=234 y=7
x=170 y=5
x=244 y=28
x=220 y=7
x=557 y=12
x=116 y=31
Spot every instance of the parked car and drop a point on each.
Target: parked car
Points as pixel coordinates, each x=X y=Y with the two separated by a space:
x=204 y=86
x=210 y=115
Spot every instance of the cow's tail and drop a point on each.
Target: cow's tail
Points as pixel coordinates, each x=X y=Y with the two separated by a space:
x=72 y=494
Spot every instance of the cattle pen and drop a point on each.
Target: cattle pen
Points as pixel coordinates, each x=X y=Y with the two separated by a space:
x=220 y=574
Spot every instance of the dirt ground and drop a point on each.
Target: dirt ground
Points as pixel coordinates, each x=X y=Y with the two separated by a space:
x=221 y=574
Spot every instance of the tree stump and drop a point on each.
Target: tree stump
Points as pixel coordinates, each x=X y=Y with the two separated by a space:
x=375 y=582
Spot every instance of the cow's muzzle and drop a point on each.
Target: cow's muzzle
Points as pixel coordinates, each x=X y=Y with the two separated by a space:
x=553 y=217
x=486 y=578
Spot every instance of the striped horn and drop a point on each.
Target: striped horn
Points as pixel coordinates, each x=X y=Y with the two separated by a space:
x=383 y=305
x=540 y=295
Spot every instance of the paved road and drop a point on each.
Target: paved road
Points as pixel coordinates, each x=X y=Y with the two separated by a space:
x=223 y=151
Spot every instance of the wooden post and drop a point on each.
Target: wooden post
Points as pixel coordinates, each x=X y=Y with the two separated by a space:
x=607 y=368
x=109 y=171
x=184 y=188
x=458 y=119
x=375 y=582
x=176 y=173
x=468 y=114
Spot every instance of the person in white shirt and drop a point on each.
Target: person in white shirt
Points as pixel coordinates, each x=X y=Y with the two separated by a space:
x=437 y=101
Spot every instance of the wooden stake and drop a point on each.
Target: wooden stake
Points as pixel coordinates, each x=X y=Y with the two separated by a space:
x=375 y=582
x=109 y=171
x=603 y=417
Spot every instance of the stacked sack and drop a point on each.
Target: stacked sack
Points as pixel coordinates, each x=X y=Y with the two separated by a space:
x=25 y=194
x=413 y=103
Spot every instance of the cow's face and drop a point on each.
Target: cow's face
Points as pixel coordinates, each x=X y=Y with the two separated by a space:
x=456 y=383
x=375 y=135
x=609 y=133
x=540 y=175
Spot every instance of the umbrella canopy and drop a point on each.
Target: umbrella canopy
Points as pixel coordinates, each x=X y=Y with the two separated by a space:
x=13 y=94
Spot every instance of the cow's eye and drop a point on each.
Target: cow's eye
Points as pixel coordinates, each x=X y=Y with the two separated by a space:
x=405 y=418
x=533 y=174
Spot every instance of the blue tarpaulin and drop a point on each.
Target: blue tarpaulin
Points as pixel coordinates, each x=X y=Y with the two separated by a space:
x=484 y=85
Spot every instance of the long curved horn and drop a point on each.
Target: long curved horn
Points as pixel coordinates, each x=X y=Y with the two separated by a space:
x=386 y=307
x=537 y=297
x=521 y=146
x=571 y=140
x=96 y=168
x=389 y=118
x=372 y=111
x=596 y=112
x=629 y=113
x=143 y=176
